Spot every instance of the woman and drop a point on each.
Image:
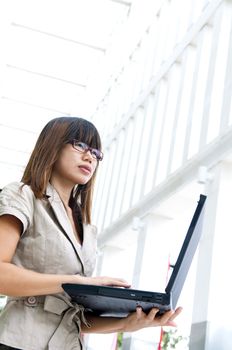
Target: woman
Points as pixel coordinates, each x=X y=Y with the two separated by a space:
x=46 y=239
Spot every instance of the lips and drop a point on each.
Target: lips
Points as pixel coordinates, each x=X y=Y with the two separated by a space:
x=85 y=168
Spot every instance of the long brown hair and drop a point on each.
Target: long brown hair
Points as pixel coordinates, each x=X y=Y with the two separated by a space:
x=56 y=133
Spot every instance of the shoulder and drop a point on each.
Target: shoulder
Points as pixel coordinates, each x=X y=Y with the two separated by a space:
x=17 y=199
x=17 y=187
x=17 y=190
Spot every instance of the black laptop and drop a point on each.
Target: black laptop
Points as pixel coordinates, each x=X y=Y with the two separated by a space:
x=115 y=301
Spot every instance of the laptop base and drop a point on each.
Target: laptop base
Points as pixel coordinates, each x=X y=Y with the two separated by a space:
x=117 y=302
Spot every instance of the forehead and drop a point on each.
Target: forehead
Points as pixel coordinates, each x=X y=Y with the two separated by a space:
x=87 y=134
x=89 y=140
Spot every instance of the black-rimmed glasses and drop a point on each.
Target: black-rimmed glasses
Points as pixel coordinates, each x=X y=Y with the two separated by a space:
x=83 y=148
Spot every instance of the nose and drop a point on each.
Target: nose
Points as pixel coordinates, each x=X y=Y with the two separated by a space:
x=88 y=156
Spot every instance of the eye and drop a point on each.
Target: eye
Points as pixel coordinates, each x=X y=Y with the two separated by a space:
x=96 y=154
x=81 y=146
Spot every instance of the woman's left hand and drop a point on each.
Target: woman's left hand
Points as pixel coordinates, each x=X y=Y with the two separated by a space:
x=139 y=319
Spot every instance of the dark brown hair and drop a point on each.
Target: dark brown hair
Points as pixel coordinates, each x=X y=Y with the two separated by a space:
x=53 y=137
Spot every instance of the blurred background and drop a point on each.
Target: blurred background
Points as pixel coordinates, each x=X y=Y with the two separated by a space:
x=155 y=77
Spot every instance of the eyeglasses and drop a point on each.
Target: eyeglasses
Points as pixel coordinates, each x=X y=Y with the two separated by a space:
x=83 y=148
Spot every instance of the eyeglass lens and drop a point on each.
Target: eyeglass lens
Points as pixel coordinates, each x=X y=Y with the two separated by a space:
x=83 y=147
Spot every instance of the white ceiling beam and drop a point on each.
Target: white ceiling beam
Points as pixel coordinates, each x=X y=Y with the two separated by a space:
x=12 y=164
x=14 y=149
x=45 y=75
x=34 y=105
x=90 y=46
x=122 y=2
x=15 y=128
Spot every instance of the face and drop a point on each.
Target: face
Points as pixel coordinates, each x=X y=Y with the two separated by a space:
x=74 y=167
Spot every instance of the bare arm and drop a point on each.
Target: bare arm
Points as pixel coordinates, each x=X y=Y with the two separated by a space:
x=133 y=322
x=17 y=281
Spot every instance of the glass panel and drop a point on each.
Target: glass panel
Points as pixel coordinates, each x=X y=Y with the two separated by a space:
x=183 y=108
x=109 y=160
x=131 y=175
x=161 y=93
x=197 y=111
x=115 y=181
x=141 y=169
x=124 y=167
x=168 y=127
x=219 y=74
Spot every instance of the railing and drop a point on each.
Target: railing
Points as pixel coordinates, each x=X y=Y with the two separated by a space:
x=173 y=109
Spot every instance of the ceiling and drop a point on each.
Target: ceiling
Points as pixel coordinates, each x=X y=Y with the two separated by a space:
x=50 y=50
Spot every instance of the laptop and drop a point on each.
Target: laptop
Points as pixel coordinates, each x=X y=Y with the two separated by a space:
x=119 y=302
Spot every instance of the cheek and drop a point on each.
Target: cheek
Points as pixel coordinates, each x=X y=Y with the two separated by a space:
x=95 y=166
x=63 y=163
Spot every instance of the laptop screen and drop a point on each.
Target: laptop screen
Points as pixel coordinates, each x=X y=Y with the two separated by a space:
x=187 y=252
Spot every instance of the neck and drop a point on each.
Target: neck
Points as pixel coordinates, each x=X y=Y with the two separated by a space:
x=64 y=191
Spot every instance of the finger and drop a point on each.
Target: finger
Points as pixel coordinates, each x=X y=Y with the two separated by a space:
x=109 y=281
x=176 y=313
x=139 y=311
x=166 y=317
x=171 y=322
x=121 y=282
x=152 y=313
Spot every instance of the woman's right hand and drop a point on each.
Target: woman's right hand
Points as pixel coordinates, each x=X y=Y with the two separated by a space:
x=104 y=281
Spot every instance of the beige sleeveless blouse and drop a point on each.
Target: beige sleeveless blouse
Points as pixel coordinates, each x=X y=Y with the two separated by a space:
x=47 y=245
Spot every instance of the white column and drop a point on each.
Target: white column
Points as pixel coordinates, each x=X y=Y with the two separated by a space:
x=150 y=271
x=211 y=324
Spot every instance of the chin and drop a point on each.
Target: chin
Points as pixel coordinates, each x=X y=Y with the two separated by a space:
x=83 y=181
